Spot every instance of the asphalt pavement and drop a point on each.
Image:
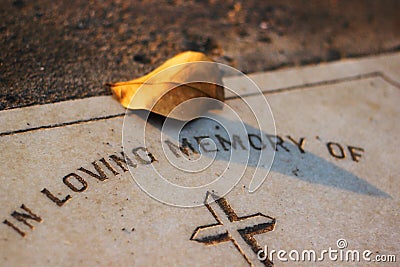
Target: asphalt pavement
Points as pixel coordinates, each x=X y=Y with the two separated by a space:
x=57 y=50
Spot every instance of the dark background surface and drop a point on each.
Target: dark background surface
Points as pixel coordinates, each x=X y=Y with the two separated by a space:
x=58 y=50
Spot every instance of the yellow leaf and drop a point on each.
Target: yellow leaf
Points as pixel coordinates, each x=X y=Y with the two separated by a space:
x=186 y=76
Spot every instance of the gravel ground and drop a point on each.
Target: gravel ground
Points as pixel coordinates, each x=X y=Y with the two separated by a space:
x=57 y=50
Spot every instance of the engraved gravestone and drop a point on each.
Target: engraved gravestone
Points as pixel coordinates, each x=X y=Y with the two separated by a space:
x=69 y=194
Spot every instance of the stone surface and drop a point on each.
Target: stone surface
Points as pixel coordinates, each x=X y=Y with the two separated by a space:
x=311 y=199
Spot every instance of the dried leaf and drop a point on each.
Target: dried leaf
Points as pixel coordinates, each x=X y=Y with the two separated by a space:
x=186 y=76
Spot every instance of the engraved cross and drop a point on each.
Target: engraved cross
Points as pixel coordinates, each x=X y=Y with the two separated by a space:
x=229 y=227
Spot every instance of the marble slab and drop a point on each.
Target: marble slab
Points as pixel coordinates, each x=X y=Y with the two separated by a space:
x=79 y=186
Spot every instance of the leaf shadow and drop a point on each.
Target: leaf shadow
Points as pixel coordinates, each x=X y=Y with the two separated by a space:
x=289 y=160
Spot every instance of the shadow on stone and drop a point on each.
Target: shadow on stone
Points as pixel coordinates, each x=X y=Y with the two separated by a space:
x=289 y=159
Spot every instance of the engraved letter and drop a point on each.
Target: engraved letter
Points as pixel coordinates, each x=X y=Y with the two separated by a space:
x=55 y=199
x=72 y=186
x=299 y=144
x=354 y=155
x=337 y=154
